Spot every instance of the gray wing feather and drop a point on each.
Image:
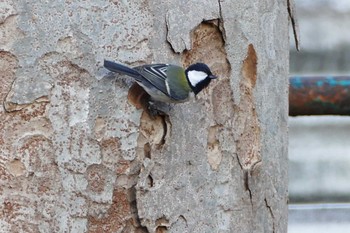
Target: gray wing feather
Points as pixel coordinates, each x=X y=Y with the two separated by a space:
x=156 y=75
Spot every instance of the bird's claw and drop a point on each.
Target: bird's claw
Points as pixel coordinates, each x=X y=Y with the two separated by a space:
x=153 y=112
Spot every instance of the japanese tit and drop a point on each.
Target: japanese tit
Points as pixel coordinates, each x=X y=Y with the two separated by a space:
x=167 y=83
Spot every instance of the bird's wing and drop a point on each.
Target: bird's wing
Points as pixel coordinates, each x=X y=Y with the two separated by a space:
x=169 y=79
x=156 y=75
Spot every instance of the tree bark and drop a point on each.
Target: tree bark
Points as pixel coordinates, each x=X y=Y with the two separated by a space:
x=78 y=155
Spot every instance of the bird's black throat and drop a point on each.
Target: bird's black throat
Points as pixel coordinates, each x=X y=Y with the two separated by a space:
x=200 y=86
x=201 y=67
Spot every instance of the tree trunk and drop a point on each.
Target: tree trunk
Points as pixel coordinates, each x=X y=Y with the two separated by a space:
x=78 y=156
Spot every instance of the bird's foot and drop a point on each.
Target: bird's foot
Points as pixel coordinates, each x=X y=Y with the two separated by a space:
x=153 y=112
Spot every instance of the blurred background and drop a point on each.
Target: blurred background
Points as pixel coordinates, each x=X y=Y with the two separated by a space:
x=319 y=146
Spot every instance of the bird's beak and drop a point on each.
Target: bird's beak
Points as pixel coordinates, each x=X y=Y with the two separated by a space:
x=212 y=77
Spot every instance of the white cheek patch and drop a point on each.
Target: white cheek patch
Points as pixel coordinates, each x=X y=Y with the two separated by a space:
x=195 y=77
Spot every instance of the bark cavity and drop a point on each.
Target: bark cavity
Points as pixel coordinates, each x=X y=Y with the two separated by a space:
x=138 y=97
x=154 y=132
x=161 y=229
x=163 y=221
x=208 y=46
x=248 y=130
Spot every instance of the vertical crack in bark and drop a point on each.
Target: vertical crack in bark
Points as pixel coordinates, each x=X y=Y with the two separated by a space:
x=221 y=22
x=245 y=180
x=167 y=26
x=133 y=205
x=293 y=19
x=239 y=162
x=164 y=120
x=246 y=186
x=272 y=215
x=6 y=104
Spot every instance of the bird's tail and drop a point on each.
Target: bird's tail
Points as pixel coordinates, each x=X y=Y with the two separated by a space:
x=119 y=68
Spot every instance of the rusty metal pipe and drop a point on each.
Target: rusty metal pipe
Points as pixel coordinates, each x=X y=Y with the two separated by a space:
x=319 y=95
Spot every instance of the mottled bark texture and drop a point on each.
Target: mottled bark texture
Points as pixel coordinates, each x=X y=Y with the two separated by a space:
x=79 y=155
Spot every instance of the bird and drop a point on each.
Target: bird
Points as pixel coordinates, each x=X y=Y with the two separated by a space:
x=166 y=82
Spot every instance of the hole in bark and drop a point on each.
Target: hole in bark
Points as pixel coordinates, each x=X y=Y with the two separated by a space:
x=161 y=229
x=246 y=184
x=208 y=46
x=162 y=221
x=164 y=120
x=147 y=150
x=162 y=224
x=150 y=181
x=138 y=97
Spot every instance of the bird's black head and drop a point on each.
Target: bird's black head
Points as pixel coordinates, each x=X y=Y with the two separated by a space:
x=199 y=76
